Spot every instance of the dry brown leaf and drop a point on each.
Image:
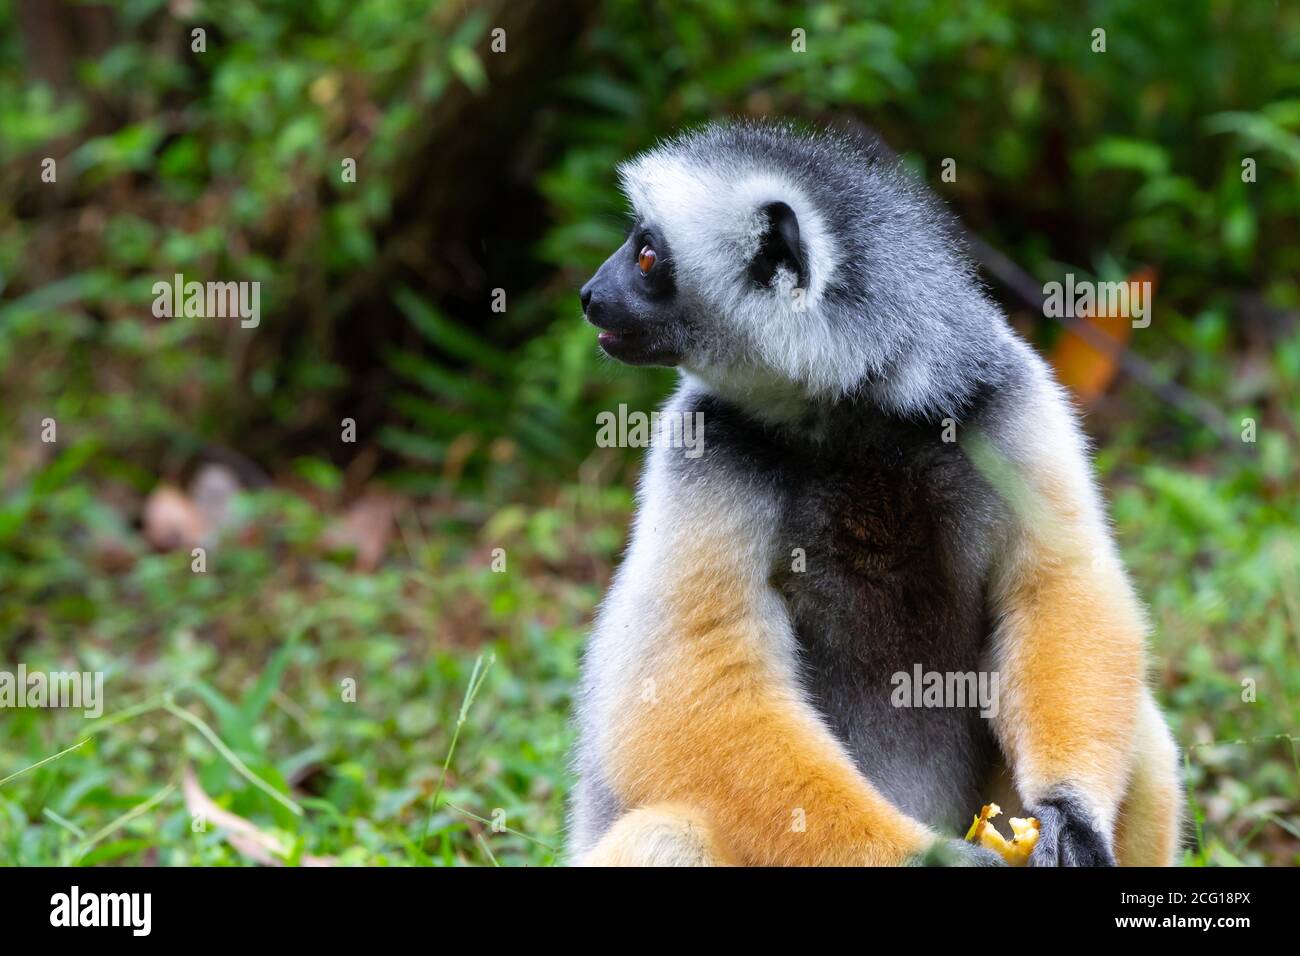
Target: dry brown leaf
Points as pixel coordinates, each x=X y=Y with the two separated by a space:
x=244 y=836
x=366 y=528
x=171 y=521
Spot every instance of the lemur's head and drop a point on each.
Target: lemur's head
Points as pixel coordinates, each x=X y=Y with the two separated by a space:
x=766 y=258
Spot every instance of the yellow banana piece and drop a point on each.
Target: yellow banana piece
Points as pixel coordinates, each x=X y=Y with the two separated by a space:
x=1016 y=850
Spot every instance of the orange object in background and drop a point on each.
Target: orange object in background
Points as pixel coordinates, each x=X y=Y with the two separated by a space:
x=1085 y=368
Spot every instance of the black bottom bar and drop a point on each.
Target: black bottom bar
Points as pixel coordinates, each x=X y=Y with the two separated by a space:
x=341 y=905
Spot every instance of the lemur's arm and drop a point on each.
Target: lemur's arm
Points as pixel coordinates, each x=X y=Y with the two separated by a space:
x=699 y=704
x=1069 y=644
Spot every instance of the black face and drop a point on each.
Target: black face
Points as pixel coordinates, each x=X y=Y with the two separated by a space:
x=633 y=300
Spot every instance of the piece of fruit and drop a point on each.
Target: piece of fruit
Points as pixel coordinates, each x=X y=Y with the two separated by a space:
x=1016 y=850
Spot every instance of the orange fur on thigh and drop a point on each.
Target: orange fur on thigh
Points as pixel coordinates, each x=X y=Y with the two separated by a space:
x=1150 y=820
x=660 y=835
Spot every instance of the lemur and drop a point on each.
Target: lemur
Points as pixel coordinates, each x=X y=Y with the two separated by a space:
x=890 y=477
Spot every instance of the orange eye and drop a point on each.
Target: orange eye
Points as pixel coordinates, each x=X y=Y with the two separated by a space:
x=646 y=259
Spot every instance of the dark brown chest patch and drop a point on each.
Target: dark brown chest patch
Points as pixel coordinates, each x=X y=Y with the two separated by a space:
x=879 y=524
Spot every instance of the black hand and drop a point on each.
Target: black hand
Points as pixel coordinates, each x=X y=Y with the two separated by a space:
x=1067 y=836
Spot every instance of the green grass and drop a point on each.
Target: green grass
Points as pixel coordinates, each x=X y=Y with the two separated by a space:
x=1217 y=557
x=453 y=751
x=239 y=674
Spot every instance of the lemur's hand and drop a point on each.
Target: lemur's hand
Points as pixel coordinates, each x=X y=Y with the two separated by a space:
x=1067 y=836
x=958 y=853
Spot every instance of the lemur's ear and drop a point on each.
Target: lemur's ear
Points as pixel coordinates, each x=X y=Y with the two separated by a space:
x=779 y=246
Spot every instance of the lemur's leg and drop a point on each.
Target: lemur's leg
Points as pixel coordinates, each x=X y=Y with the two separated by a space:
x=662 y=835
x=1150 y=818
x=1069 y=644
x=698 y=704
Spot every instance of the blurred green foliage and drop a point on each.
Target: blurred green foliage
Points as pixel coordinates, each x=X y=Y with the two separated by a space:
x=261 y=647
x=226 y=164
